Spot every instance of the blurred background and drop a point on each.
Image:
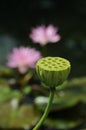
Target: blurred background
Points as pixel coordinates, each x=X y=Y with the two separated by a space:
x=18 y=17
x=16 y=21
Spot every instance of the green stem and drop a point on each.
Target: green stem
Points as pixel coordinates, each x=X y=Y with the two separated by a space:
x=46 y=111
x=44 y=51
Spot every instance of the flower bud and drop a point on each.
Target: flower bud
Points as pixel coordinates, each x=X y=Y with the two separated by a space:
x=53 y=71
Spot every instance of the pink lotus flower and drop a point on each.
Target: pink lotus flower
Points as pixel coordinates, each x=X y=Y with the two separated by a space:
x=23 y=58
x=44 y=35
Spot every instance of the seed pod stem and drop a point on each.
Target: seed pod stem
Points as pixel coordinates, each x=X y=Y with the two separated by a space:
x=46 y=110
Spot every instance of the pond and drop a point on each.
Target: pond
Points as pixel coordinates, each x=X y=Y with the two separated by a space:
x=21 y=93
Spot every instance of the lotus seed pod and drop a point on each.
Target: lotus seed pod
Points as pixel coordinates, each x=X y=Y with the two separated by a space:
x=53 y=71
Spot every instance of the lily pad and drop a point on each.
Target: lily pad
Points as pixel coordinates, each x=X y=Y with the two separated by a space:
x=4 y=82
x=5 y=110
x=24 y=116
x=63 y=124
x=7 y=94
x=68 y=96
x=4 y=71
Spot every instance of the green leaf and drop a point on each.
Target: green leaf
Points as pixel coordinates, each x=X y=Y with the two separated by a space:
x=63 y=124
x=27 y=90
x=7 y=94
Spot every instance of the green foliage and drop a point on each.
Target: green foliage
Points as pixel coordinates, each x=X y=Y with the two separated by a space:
x=69 y=105
x=23 y=117
x=27 y=89
x=7 y=94
x=70 y=94
x=63 y=124
x=70 y=98
x=6 y=72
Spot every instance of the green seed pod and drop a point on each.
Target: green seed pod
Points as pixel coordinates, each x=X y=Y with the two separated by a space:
x=53 y=71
